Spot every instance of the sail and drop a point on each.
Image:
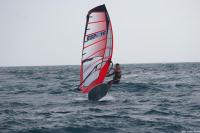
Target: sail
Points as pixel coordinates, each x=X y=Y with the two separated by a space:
x=97 y=49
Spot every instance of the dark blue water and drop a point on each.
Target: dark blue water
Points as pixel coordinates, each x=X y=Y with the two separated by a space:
x=151 y=98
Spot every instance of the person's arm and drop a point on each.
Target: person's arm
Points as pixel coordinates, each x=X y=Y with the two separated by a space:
x=110 y=74
x=111 y=69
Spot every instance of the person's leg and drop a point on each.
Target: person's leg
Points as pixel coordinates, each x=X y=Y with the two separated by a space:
x=110 y=83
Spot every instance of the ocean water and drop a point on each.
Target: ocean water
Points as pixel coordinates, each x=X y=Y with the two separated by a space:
x=151 y=98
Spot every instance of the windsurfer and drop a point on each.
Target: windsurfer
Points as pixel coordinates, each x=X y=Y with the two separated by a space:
x=117 y=75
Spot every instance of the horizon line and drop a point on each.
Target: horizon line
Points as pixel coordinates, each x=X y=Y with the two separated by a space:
x=114 y=63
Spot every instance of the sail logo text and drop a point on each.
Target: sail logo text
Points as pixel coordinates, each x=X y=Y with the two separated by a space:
x=95 y=35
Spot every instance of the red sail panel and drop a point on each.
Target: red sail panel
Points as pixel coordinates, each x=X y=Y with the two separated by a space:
x=97 y=49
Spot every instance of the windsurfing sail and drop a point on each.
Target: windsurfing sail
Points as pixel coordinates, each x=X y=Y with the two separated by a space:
x=97 y=49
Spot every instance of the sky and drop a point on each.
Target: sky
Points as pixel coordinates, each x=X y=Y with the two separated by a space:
x=50 y=32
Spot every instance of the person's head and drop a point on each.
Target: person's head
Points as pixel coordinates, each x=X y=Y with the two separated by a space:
x=117 y=66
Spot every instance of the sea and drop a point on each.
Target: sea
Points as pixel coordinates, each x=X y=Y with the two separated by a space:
x=151 y=98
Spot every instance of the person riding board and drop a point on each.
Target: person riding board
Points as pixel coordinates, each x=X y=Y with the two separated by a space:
x=117 y=75
x=101 y=90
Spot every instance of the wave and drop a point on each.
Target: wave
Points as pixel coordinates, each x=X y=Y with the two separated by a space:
x=70 y=129
x=141 y=87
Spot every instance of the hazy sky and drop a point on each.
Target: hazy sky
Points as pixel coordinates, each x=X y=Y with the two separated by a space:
x=50 y=32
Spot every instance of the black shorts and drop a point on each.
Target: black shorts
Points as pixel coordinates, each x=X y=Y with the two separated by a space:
x=116 y=81
x=113 y=82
